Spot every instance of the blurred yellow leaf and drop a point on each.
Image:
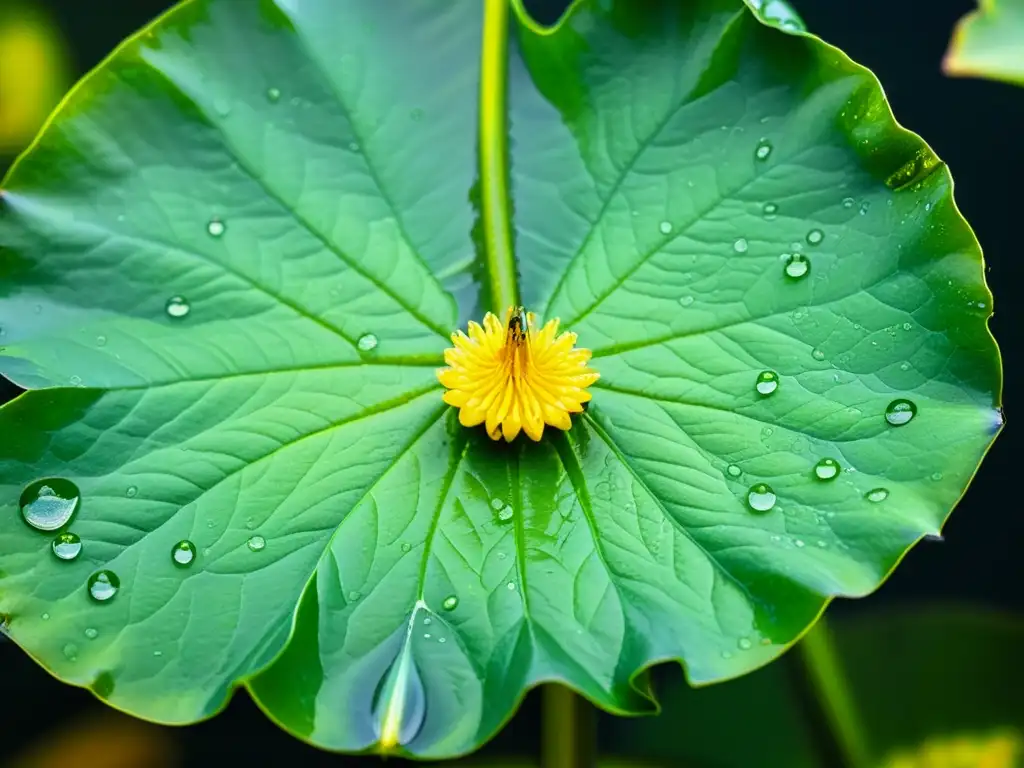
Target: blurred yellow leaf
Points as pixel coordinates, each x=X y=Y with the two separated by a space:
x=33 y=74
x=1003 y=749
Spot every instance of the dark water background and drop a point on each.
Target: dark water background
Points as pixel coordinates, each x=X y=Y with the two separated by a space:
x=975 y=126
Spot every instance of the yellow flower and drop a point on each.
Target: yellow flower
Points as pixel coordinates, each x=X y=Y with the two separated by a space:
x=513 y=377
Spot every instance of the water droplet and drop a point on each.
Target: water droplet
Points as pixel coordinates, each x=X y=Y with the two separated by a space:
x=177 y=307
x=864 y=208
x=355 y=595
x=48 y=505
x=427 y=635
x=733 y=470
x=45 y=617
x=936 y=476
x=76 y=381
x=818 y=355
x=740 y=245
x=797 y=266
x=273 y=95
x=877 y=494
x=907 y=326
x=767 y=382
x=686 y=301
x=103 y=585
x=406 y=546
x=399 y=703
x=761 y=498
x=71 y=652
x=131 y=492
x=67 y=546
x=450 y=603
x=353 y=146
x=505 y=514
x=770 y=211
x=101 y=341
x=497 y=504
x=427 y=621
x=827 y=469
x=764 y=149
x=798 y=542
x=216 y=227
x=822 y=544
x=367 y=342
x=665 y=227
x=726 y=654
x=745 y=644
x=256 y=543
x=848 y=202
x=442 y=640
x=900 y=412
x=183 y=554
x=815 y=236
x=158 y=654
x=92 y=633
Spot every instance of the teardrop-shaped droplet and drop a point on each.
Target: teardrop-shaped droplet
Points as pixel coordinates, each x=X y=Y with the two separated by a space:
x=740 y=245
x=761 y=498
x=764 y=149
x=256 y=543
x=797 y=266
x=767 y=382
x=177 y=307
x=48 y=505
x=367 y=342
x=216 y=227
x=827 y=469
x=103 y=585
x=815 y=236
x=877 y=494
x=450 y=603
x=67 y=546
x=183 y=554
x=399 y=703
x=900 y=412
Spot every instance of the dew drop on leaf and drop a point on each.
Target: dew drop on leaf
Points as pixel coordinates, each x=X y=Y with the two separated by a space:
x=67 y=546
x=686 y=301
x=818 y=355
x=450 y=603
x=797 y=266
x=767 y=382
x=103 y=585
x=131 y=491
x=183 y=554
x=764 y=149
x=761 y=498
x=216 y=227
x=848 y=202
x=48 y=505
x=900 y=412
x=92 y=633
x=733 y=470
x=256 y=543
x=273 y=95
x=177 y=307
x=101 y=341
x=665 y=227
x=770 y=211
x=740 y=245
x=71 y=652
x=877 y=494
x=744 y=644
x=367 y=342
x=826 y=469
x=815 y=236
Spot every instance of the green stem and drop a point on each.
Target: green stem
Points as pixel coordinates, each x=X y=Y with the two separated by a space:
x=828 y=681
x=493 y=140
x=569 y=729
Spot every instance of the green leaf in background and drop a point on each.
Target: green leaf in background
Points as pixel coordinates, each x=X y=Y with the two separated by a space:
x=918 y=679
x=989 y=42
x=230 y=269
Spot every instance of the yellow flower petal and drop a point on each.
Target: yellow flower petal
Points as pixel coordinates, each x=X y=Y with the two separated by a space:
x=512 y=377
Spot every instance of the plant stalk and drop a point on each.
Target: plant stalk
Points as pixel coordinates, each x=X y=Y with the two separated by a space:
x=569 y=729
x=827 y=680
x=493 y=149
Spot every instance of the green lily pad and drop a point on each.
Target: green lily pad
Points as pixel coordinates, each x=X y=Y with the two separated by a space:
x=231 y=266
x=989 y=42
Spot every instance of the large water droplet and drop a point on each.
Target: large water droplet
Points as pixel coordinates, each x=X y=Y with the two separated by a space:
x=665 y=227
x=103 y=585
x=183 y=554
x=367 y=342
x=797 y=266
x=815 y=236
x=740 y=245
x=827 y=469
x=67 y=546
x=177 y=307
x=505 y=514
x=48 y=505
x=256 y=543
x=900 y=412
x=450 y=603
x=761 y=497
x=767 y=382
x=399 y=703
x=216 y=227
x=877 y=494
x=764 y=149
